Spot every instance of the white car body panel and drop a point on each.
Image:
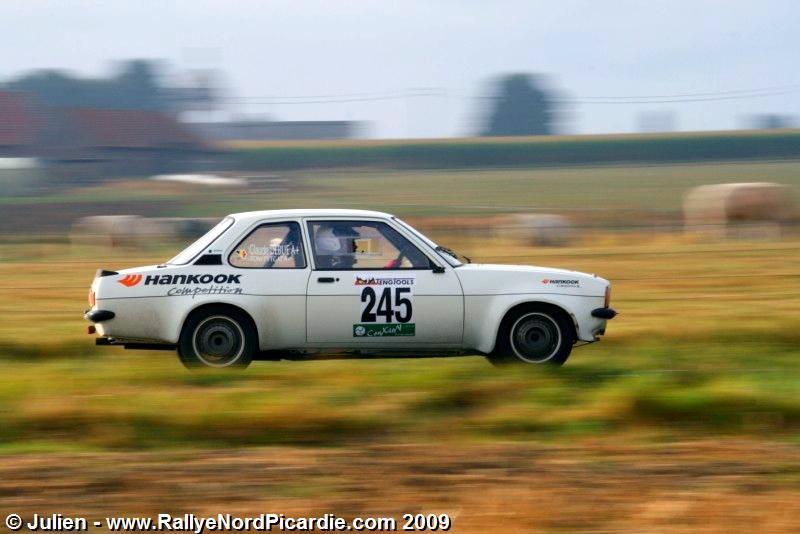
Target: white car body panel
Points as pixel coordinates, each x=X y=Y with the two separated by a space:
x=153 y=315
x=459 y=309
x=438 y=306
x=491 y=290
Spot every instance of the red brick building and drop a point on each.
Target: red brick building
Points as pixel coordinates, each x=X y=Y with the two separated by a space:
x=83 y=144
x=20 y=126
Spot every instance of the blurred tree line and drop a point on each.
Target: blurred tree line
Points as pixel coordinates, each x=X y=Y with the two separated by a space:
x=136 y=85
x=520 y=105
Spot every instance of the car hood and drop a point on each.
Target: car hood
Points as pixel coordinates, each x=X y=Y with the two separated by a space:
x=481 y=278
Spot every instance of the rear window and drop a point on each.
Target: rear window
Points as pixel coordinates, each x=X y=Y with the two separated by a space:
x=270 y=246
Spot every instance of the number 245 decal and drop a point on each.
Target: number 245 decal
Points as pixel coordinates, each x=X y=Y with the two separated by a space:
x=387 y=303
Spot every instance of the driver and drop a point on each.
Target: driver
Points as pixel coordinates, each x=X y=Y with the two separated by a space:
x=335 y=246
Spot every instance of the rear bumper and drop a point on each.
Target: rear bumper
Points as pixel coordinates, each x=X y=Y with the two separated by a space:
x=604 y=313
x=98 y=316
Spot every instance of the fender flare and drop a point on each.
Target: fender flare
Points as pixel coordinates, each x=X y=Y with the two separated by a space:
x=547 y=302
x=218 y=304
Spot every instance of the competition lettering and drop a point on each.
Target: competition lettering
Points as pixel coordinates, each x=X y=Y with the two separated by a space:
x=190 y=279
x=195 y=291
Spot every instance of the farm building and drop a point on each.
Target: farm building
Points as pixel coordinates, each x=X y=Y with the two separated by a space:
x=20 y=126
x=78 y=144
x=107 y=142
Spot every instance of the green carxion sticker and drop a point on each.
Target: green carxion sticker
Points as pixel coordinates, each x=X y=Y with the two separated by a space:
x=384 y=330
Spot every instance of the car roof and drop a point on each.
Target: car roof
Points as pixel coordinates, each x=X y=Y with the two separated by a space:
x=294 y=213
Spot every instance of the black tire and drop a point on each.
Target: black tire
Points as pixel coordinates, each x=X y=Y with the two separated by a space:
x=218 y=337
x=534 y=335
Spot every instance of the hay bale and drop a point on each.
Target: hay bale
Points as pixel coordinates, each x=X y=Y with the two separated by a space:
x=539 y=229
x=107 y=230
x=180 y=228
x=756 y=209
x=136 y=231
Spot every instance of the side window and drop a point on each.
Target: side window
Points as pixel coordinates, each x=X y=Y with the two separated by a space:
x=270 y=246
x=346 y=245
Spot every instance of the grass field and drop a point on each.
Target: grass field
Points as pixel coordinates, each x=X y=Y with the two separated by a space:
x=606 y=197
x=707 y=340
x=614 y=485
x=686 y=417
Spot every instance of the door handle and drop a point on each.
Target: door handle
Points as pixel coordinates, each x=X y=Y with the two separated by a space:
x=325 y=280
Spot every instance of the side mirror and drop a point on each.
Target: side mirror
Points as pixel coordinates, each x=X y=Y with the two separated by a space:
x=437 y=269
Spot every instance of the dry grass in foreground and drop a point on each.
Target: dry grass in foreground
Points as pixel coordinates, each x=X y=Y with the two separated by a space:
x=707 y=486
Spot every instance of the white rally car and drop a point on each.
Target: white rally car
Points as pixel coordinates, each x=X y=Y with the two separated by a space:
x=300 y=284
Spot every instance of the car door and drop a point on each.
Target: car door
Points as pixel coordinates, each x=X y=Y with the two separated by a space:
x=271 y=257
x=374 y=285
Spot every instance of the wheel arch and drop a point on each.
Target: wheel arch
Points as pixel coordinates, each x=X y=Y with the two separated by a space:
x=534 y=305
x=218 y=306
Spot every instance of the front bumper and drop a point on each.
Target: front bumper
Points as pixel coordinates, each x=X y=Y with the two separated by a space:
x=98 y=316
x=604 y=313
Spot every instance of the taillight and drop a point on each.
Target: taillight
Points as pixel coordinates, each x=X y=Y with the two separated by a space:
x=607 y=301
x=92 y=298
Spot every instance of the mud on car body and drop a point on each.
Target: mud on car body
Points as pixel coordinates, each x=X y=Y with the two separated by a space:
x=298 y=284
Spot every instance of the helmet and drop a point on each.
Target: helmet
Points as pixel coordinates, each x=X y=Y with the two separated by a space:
x=335 y=246
x=335 y=240
x=327 y=242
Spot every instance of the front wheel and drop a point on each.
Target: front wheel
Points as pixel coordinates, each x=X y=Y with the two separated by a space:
x=534 y=336
x=218 y=338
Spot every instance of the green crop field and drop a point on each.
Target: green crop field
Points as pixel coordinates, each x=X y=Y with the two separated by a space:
x=546 y=151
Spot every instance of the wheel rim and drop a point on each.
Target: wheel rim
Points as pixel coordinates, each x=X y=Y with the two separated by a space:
x=535 y=338
x=218 y=341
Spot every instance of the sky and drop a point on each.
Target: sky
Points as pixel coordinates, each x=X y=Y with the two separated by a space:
x=270 y=52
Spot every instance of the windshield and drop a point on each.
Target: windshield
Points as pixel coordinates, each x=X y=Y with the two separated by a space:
x=197 y=247
x=448 y=255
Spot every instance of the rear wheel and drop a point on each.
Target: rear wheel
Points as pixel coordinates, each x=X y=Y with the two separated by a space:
x=534 y=335
x=218 y=338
